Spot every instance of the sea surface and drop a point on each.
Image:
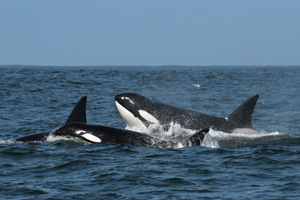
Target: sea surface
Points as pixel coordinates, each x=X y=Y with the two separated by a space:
x=35 y=99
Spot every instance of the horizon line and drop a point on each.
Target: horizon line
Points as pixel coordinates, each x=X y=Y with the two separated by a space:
x=169 y=65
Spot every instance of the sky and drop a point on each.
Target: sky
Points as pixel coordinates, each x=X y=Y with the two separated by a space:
x=153 y=33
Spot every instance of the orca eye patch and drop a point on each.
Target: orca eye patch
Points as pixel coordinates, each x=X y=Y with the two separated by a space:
x=79 y=132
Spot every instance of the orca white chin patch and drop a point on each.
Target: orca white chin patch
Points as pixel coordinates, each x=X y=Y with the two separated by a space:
x=91 y=138
x=147 y=116
x=129 y=118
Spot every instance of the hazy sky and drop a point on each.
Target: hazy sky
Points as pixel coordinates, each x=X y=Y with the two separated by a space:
x=150 y=32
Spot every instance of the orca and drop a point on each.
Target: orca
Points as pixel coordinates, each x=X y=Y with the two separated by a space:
x=139 y=112
x=76 y=126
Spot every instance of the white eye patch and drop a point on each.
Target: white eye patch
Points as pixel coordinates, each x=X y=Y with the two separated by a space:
x=91 y=138
x=148 y=117
x=78 y=132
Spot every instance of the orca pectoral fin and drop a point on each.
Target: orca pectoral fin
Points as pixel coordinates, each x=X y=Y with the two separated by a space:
x=198 y=137
x=242 y=116
x=79 y=112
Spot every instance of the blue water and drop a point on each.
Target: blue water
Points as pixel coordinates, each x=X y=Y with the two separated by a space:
x=36 y=99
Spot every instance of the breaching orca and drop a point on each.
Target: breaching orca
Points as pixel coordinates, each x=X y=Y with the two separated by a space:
x=139 y=112
x=76 y=126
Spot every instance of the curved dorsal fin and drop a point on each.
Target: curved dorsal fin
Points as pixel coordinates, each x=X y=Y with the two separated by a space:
x=79 y=112
x=242 y=116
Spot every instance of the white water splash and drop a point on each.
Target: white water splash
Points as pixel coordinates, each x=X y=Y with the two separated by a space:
x=174 y=132
x=196 y=85
x=210 y=142
x=213 y=139
x=7 y=142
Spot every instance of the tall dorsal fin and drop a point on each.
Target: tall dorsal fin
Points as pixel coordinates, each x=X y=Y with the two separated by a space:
x=242 y=116
x=79 y=112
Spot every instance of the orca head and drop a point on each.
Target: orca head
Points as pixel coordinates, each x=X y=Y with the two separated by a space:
x=135 y=110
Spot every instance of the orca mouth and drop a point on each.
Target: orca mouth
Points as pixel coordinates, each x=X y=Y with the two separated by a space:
x=128 y=107
x=126 y=102
x=129 y=117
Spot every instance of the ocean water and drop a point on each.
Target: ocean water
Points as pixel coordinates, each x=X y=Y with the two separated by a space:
x=36 y=99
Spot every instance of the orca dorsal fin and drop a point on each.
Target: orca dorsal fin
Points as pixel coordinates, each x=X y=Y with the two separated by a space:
x=79 y=112
x=242 y=116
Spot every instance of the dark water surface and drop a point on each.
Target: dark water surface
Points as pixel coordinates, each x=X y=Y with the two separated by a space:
x=38 y=99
